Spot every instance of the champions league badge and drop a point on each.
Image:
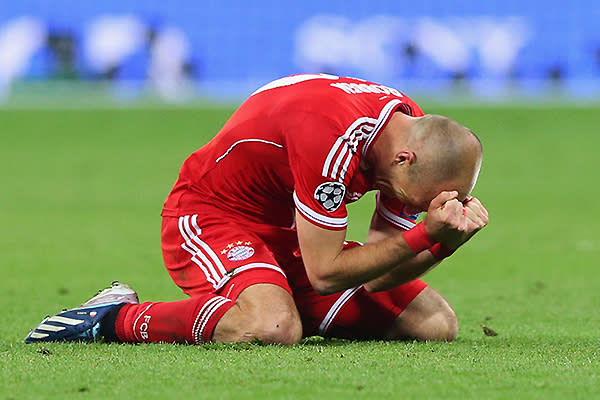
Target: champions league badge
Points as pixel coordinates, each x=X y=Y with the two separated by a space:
x=330 y=195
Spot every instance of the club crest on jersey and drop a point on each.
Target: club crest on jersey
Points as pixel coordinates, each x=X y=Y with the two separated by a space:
x=241 y=252
x=330 y=195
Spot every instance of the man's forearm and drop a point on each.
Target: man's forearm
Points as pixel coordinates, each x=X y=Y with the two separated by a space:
x=331 y=269
x=362 y=264
x=404 y=272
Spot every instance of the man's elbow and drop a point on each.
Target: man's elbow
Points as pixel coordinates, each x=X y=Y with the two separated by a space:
x=323 y=284
x=323 y=287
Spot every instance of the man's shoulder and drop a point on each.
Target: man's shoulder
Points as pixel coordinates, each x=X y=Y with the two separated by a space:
x=323 y=93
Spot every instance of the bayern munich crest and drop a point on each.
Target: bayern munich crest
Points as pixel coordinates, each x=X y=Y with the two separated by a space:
x=240 y=253
x=330 y=195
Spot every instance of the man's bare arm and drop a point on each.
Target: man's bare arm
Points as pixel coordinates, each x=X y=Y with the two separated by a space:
x=476 y=217
x=404 y=272
x=331 y=269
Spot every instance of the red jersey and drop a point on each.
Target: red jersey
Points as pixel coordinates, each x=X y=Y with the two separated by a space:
x=294 y=144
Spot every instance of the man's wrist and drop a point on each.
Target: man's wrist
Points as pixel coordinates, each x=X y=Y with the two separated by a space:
x=440 y=251
x=417 y=238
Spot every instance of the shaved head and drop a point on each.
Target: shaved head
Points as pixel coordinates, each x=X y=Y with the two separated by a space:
x=444 y=150
x=419 y=157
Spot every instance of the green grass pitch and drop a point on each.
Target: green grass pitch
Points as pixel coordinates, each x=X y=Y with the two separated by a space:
x=81 y=194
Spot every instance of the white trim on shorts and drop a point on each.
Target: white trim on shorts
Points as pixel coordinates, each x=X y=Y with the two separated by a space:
x=335 y=309
x=207 y=259
x=202 y=254
x=246 y=267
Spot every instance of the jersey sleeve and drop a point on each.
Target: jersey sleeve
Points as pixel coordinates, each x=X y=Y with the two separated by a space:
x=318 y=196
x=392 y=211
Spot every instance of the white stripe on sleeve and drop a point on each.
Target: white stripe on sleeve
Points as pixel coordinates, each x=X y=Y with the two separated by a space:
x=394 y=219
x=318 y=218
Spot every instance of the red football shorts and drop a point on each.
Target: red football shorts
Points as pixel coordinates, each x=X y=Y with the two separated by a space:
x=207 y=255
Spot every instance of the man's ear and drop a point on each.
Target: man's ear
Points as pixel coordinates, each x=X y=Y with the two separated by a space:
x=405 y=157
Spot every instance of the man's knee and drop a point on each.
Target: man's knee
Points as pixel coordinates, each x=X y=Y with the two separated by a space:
x=264 y=312
x=427 y=317
x=440 y=326
x=282 y=327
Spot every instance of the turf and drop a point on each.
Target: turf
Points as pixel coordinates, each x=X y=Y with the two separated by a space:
x=81 y=197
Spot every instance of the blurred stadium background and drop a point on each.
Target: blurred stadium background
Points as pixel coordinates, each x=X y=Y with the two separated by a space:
x=184 y=51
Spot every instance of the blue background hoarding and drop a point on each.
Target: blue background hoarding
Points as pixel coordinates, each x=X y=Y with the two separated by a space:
x=231 y=48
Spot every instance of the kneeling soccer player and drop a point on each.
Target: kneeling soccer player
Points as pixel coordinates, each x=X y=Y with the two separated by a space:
x=254 y=229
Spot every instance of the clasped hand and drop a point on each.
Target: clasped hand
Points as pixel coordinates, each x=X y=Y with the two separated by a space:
x=453 y=222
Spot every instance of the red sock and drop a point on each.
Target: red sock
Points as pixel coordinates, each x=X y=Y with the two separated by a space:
x=186 y=321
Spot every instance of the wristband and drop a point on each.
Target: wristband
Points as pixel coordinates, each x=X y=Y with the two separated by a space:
x=440 y=251
x=417 y=238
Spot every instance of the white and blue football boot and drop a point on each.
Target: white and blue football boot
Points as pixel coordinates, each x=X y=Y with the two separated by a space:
x=83 y=323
